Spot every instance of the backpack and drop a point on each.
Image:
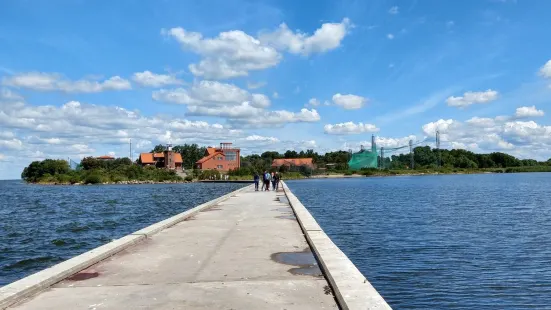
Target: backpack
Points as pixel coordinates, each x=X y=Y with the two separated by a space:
x=267 y=176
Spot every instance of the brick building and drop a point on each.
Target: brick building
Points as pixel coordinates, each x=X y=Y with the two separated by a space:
x=223 y=158
x=167 y=159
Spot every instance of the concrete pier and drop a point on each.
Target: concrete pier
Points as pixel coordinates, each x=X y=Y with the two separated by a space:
x=246 y=250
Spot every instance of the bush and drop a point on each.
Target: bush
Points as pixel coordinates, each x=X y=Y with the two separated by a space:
x=189 y=178
x=348 y=173
x=93 y=178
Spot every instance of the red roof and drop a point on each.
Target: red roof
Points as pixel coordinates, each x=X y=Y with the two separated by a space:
x=147 y=158
x=178 y=158
x=204 y=159
x=293 y=162
x=210 y=151
x=158 y=155
x=106 y=157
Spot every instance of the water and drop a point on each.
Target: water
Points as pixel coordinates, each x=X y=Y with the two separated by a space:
x=43 y=225
x=443 y=242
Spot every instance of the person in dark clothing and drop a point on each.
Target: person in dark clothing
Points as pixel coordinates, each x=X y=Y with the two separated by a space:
x=276 y=181
x=266 y=181
x=256 y=180
x=273 y=180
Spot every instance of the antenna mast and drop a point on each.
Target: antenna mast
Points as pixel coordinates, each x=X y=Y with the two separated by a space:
x=438 y=148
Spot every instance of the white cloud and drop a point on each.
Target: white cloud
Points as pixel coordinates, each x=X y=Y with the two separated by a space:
x=349 y=102
x=313 y=102
x=328 y=37
x=385 y=142
x=211 y=93
x=349 y=128
x=528 y=112
x=545 y=71
x=150 y=79
x=450 y=23
x=390 y=36
x=393 y=10
x=230 y=54
x=276 y=118
x=469 y=98
x=251 y=85
x=210 y=98
x=8 y=95
x=261 y=139
x=525 y=139
x=55 y=82
x=275 y=95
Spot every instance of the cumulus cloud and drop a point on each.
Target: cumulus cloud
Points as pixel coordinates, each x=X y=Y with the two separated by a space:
x=349 y=128
x=313 y=102
x=150 y=79
x=545 y=71
x=211 y=98
x=528 y=112
x=470 y=98
x=275 y=118
x=520 y=138
x=77 y=129
x=230 y=54
x=211 y=93
x=328 y=37
x=236 y=53
x=349 y=102
x=41 y=81
x=393 y=10
x=386 y=142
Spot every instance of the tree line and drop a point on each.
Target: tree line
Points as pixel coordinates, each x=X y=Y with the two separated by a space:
x=425 y=157
x=92 y=171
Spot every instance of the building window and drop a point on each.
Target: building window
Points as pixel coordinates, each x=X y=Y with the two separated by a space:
x=219 y=167
x=220 y=158
x=231 y=155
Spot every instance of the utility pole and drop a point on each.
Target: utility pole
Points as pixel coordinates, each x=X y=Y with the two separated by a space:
x=131 y=159
x=411 y=161
x=373 y=144
x=438 y=148
x=382 y=158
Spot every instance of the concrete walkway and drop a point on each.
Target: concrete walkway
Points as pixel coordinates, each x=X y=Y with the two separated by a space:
x=247 y=252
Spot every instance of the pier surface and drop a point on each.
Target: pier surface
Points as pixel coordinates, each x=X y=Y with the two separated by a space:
x=225 y=257
x=244 y=250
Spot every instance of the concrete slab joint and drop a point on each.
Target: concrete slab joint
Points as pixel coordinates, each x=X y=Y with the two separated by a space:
x=352 y=290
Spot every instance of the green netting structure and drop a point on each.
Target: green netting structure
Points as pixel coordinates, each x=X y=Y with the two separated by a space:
x=363 y=159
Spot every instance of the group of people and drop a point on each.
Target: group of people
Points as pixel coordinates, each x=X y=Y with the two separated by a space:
x=267 y=178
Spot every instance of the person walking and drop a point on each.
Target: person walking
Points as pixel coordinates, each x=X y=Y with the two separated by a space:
x=267 y=180
x=273 y=180
x=276 y=182
x=256 y=180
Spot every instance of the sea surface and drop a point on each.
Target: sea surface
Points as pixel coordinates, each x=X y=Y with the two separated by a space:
x=443 y=242
x=42 y=225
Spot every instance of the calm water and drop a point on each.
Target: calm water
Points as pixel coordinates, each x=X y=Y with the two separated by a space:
x=44 y=225
x=443 y=242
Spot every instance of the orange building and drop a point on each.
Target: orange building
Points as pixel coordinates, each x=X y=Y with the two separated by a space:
x=293 y=162
x=167 y=159
x=224 y=158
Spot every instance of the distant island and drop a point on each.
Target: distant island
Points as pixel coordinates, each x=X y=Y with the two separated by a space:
x=103 y=170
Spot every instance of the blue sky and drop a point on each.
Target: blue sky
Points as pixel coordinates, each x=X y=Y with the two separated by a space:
x=81 y=78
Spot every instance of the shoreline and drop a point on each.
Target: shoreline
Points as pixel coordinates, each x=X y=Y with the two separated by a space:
x=133 y=182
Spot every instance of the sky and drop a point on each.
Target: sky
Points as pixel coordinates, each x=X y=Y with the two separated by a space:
x=83 y=78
